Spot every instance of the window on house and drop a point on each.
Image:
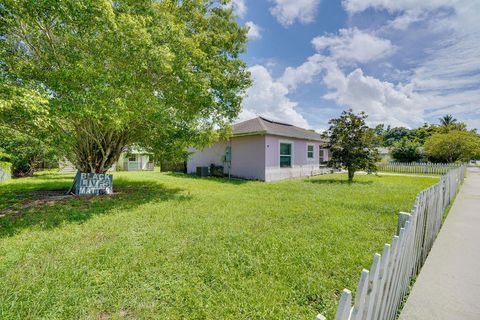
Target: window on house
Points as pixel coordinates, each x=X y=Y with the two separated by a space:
x=322 y=155
x=132 y=157
x=310 y=151
x=285 y=155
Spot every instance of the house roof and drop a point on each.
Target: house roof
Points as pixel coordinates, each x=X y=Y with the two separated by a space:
x=383 y=150
x=261 y=126
x=135 y=150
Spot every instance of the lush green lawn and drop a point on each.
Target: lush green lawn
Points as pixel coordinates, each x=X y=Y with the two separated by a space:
x=174 y=247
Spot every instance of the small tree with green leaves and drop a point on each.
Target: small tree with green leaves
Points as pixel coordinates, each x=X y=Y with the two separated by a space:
x=352 y=143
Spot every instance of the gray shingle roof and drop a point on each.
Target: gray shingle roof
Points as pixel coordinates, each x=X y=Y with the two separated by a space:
x=262 y=125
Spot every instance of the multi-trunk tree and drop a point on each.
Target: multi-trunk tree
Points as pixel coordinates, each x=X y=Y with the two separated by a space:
x=161 y=75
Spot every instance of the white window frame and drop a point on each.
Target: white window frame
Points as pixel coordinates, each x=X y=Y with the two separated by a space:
x=292 y=151
x=313 y=151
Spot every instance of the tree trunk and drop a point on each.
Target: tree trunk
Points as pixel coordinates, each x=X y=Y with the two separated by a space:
x=351 y=173
x=98 y=148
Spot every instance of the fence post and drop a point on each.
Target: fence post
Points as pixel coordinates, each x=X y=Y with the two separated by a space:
x=402 y=218
x=345 y=306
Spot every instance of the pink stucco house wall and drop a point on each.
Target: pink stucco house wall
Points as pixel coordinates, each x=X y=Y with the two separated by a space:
x=266 y=150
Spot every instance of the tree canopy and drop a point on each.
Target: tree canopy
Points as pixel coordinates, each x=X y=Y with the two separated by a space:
x=161 y=75
x=352 y=143
x=453 y=146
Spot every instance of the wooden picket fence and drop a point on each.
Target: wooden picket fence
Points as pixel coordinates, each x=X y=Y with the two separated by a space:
x=417 y=167
x=381 y=290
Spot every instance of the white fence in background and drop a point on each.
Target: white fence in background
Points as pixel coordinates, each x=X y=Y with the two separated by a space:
x=414 y=167
x=382 y=289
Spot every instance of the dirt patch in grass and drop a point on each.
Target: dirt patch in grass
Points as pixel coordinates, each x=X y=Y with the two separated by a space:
x=41 y=198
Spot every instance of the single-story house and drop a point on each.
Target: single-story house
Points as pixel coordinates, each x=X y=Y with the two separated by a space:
x=132 y=159
x=5 y=171
x=135 y=160
x=266 y=150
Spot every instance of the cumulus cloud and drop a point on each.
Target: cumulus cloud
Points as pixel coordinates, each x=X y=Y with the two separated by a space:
x=287 y=12
x=353 y=45
x=254 y=31
x=269 y=98
x=348 y=46
x=383 y=101
x=239 y=7
x=305 y=73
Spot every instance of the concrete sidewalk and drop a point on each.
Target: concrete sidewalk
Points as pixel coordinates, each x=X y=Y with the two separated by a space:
x=448 y=286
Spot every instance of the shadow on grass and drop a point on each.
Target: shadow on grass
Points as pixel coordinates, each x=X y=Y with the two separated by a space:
x=213 y=179
x=338 y=181
x=46 y=206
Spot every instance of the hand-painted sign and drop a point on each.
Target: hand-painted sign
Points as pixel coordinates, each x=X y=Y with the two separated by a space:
x=93 y=184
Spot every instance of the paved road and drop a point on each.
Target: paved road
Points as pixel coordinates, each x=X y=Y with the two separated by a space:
x=448 y=286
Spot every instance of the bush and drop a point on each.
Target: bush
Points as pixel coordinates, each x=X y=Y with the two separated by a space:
x=26 y=153
x=406 y=150
x=216 y=171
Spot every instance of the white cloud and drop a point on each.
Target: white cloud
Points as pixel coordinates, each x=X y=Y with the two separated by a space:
x=304 y=73
x=254 y=31
x=288 y=11
x=355 y=6
x=239 y=7
x=350 y=45
x=404 y=21
x=353 y=45
x=381 y=100
x=269 y=98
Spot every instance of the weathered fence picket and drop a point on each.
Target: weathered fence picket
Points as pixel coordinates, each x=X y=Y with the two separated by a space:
x=381 y=290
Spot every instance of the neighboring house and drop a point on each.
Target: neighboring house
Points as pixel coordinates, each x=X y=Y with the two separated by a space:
x=265 y=150
x=131 y=160
x=5 y=171
x=135 y=160
x=385 y=154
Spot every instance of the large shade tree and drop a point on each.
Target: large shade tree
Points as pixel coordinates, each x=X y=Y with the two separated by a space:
x=161 y=75
x=453 y=146
x=352 y=143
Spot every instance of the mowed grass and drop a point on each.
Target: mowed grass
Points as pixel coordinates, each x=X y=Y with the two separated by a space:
x=170 y=246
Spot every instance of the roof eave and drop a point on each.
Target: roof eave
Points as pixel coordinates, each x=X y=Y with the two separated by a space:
x=258 y=133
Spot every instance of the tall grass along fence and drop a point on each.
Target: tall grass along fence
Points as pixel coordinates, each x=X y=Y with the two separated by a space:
x=414 y=167
x=381 y=290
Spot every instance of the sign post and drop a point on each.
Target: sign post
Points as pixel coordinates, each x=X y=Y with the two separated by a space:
x=93 y=184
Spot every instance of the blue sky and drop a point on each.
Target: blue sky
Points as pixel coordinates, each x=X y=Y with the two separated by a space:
x=404 y=62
